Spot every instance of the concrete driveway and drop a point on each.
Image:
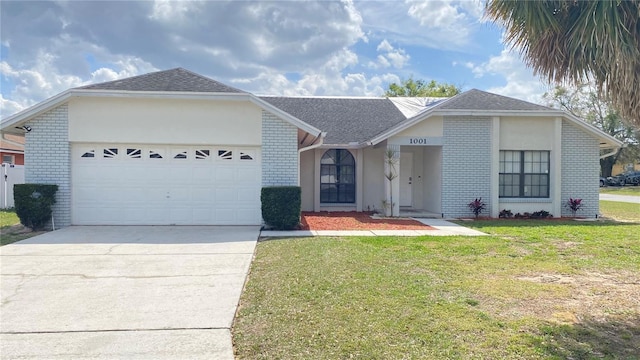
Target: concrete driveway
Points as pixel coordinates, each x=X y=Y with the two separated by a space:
x=108 y=292
x=621 y=198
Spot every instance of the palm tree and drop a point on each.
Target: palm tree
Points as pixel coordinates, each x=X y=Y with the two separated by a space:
x=576 y=41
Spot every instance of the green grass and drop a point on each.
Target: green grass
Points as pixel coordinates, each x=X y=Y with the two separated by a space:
x=8 y=218
x=621 y=190
x=531 y=290
x=620 y=211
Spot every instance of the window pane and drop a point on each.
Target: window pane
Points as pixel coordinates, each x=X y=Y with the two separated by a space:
x=337 y=177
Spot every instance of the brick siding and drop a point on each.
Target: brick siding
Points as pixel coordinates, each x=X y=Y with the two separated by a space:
x=580 y=170
x=48 y=159
x=279 y=151
x=466 y=164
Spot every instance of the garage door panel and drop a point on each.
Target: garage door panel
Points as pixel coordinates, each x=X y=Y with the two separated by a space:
x=202 y=186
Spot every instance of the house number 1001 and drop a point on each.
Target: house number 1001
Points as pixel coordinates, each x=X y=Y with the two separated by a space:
x=418 y=141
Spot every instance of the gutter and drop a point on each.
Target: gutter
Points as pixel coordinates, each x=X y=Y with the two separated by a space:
x=612 y=152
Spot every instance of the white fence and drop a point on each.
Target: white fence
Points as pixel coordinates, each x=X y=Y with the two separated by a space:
x=11 y=174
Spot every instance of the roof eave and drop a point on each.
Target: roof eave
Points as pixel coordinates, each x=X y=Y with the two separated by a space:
x=8 y=124
x=609 y=140
x=285 y=116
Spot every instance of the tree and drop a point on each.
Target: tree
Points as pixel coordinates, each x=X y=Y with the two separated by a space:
x=420 y=88
x=584 y=102
x=579 y=41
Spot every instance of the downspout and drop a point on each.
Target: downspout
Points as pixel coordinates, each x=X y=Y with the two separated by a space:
x=612 y=152
x=310 y=147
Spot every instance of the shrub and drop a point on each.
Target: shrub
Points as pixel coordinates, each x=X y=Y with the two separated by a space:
x=477 y=206
x=574 y=205
x=505 y=214
x=542 y=214
x=281 y=206
x=33 y=203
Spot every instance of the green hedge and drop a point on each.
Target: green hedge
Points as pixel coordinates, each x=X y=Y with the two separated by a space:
x=281 y=206
x=33 y=203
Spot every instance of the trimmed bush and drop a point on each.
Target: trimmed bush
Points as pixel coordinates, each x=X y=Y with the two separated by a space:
x=281 y=206
x=33 y=203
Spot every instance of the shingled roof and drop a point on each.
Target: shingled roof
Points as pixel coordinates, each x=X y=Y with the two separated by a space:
x=475 y=99
x=173 y=80
x=345 y=120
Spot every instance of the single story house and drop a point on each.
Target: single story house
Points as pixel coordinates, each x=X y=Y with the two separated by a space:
x=12 y=149
x=175 y=147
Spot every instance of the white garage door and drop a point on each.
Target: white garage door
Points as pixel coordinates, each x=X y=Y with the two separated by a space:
x=115 y=184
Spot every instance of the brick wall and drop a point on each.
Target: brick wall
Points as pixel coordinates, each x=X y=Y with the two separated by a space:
x=48 y=159
x=279 y=151
x=580 y=170
x=466 y=164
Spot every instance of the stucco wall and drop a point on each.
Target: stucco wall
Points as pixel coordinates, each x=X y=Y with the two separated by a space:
x=526 y=133
x=164 y=121
x=279 y=151
x=307 y=178
x=373 y=178
x=430 y=127
x=47 y=159
x=580 y=169
x=466 y=170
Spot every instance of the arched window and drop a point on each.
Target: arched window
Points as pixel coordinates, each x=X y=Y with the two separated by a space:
x=337 y=177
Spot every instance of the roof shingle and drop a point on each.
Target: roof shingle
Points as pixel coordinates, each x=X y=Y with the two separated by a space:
x=345 y=120
x=173 y=80
x=475 y=99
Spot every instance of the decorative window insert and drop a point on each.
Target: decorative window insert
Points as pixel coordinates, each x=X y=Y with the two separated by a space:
x=524 y=174
x=202 y=154
x=89 y=154
x=110 y=153
x=180 y=154
x=156 y=154
x=225 y=154
x=134 y=153
x=247 y=155
x=337 y=177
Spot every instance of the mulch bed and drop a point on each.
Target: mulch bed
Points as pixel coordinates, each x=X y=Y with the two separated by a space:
x=352 y=220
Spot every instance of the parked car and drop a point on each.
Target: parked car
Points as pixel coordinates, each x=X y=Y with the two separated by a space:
x=603 y=181
x=618 y=180
x=632 y=178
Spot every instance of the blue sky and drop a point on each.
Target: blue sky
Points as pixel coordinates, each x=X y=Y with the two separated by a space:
x=330 y=48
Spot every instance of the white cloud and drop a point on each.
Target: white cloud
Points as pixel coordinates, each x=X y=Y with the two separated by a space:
x=444 y=24
x=384 y=46
x=520 y=81
x=169 y=10
x=398 y=58
x=9 y=107
x=44 y=80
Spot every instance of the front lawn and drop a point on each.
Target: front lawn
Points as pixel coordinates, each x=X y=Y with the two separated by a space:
x=620 y=211
x=11 y=230
x=532 y=290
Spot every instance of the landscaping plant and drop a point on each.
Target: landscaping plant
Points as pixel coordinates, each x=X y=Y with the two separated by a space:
x=477 y=206
x=391 y=159
x=281 y=206
x=33 y=203
x=574 y=205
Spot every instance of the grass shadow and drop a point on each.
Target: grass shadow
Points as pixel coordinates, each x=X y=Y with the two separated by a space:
x=592 y=339
x=493 y=223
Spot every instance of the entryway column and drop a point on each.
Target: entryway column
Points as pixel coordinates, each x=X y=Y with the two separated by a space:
x=391 y=179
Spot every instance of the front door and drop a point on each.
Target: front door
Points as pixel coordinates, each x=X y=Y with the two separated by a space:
x=406 y=179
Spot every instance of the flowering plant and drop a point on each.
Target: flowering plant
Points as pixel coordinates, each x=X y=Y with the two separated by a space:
x=477 y=206
x=574 y=205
